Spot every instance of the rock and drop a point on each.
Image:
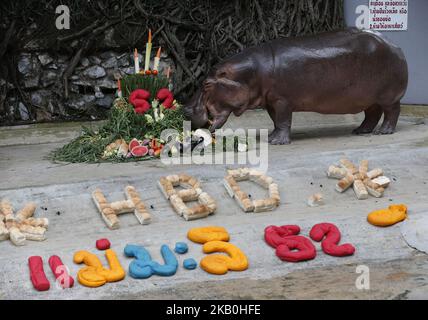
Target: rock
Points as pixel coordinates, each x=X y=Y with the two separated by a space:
x=43 y=115
x=130 y=70
x=106 y=83
x=84 y=62
x=74 y=88
x=41 y=98
x=48 y=78
x=51 y=107
x=23 y=112
x=31 y=82
x=105 y=102
x=94 y=60
x=80 y=102
x=9 y=85
x=107 y=55
x=36 y=99
x=123 y=60
x=53 y=66
x=63 y=59
x=25 y=64
x=61 y=109
x=110 y=63
x=98 y=93
x=45 y=59
x=117 y=75
x=95 y=72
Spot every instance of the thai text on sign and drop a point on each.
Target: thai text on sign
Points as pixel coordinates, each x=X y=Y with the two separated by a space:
x=388 y=15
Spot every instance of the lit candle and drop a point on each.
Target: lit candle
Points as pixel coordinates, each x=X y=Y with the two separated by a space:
x=157 y=59
x=148 y=51
x=136 y=62
x=119 y=89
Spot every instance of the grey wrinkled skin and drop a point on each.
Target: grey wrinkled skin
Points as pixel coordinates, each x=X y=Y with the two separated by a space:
x=340 y=72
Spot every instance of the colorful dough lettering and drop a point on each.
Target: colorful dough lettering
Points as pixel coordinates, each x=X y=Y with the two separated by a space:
x=144 y=267
x=206 y=234
x=387 y=217
x=221 y=264
x=61 y=273
x=181 y=248
x=190 y=264
x=37 y=274
x=94 y=274
x=285 y=240
x=103 y=244
x=332 y=237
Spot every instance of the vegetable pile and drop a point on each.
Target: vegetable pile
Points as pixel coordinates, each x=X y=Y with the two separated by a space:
x=134 y=125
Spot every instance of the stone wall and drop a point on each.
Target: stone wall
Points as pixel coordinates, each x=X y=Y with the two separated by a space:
x=92 y=87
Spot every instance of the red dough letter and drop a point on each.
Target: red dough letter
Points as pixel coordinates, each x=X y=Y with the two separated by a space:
x=274 y=236
x=37 y=274
x=60 y=272
x=332 y=238
x=285 y=239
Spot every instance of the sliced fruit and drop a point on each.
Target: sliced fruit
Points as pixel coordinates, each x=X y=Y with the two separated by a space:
x=140 y=151
x=134 y=143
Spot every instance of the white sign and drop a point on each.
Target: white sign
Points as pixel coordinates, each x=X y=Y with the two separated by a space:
x=388 y=15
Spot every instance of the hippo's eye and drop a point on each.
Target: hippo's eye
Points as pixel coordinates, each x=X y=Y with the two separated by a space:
x=222 y=74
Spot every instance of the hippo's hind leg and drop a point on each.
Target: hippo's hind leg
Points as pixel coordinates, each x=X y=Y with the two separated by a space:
x=271 y=113
x=372 y=117
x=390 y=118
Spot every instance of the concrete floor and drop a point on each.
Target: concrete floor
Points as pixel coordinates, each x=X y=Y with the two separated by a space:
x=397 y=271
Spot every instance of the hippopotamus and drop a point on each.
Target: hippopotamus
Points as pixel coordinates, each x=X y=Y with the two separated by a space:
x=338 y=72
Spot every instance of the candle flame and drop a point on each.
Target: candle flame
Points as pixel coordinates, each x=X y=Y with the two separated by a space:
x=150 y=36
x=135 y=53
x=158 y=54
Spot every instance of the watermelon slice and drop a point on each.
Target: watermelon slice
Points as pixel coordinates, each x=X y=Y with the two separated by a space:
x=139 y=151
x=134 y=143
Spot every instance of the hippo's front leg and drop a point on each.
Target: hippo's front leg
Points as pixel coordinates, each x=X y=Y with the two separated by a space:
x=281 y=115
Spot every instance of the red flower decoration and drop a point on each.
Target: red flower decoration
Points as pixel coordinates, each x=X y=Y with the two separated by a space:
x=138 y=98
x=166 y=98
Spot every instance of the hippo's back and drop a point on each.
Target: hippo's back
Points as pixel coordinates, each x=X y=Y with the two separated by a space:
x=338 y=72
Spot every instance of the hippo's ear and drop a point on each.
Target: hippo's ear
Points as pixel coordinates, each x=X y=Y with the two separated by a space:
x=231 y=92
